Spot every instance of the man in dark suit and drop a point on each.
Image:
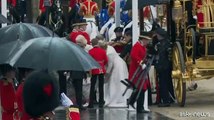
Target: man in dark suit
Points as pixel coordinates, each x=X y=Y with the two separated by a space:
x=163 y=67
x=78 y=76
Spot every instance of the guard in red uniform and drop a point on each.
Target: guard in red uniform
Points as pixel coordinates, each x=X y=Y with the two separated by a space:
x=79 y=29
x=138 y=54
x=98 y=74
x=88 y=8
x=7 y=93
x=111 y=8
x=23 y=72
x=41 y=95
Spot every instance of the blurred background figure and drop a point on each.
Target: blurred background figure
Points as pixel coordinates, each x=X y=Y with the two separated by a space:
x=78 y=76
x=118 y=43
x=7 y=92
x=23 y=73
x=41 y=95
x=125 y=54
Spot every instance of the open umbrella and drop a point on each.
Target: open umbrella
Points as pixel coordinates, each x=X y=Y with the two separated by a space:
x=143 y=3
x=3 y=19
x=13 y=36
x=53 y=53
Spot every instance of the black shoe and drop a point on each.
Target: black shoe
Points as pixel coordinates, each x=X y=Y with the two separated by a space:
x=101 y=104
x=90 y=106
x=143 y=111
x=164 y=105
x=95 y=102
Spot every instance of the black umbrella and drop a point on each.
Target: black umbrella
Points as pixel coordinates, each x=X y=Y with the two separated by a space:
x=23 y=31
x=143 y=3
x=13 y=36
x=3 y=19
x=53 y=53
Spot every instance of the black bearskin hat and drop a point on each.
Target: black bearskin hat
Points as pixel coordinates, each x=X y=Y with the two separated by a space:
x=40 y=93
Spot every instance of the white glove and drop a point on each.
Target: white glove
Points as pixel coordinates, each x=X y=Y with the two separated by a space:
x=143 y=66
x=195 y=17
x=65 y=100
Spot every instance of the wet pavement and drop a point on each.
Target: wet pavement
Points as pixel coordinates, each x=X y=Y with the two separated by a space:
x=119 y=114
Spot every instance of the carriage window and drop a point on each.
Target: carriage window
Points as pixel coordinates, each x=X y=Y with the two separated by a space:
x=162 y=15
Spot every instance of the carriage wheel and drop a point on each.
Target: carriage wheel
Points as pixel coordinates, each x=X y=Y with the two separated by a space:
x=191 y=45
x=178 y=69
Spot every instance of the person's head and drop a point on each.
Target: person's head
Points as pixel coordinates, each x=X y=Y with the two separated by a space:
x=102 y=44
x=94 y=42
x=8 y=71
x=81 y=41
x=83 y=24
x=128 y=34
x=40 y=94
x=118 y=31
x=100 y=37
x=145 y=38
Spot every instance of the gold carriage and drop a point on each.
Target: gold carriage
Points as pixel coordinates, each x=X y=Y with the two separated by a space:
x=192 y=55
x=192 y=52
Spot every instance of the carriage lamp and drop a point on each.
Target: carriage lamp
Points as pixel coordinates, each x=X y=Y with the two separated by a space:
x=177 y=13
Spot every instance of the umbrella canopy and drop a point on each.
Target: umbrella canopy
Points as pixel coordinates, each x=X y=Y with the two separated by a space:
x=3 y=19
x=143 y=3
x=13 y=36
x=53 y=53
x=23 y=31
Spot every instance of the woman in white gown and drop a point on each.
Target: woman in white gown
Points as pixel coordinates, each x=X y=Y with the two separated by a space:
x=115 y=72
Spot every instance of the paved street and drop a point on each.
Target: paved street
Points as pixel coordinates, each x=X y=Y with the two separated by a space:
x=199 y=104
x=119 y=114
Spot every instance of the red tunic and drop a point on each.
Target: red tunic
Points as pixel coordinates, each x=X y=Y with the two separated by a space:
x=7 y=95
x=41 y=5
x=200 y=14
x=89 y=8
x=73 y=35
x=111 y=8
x=100 y=56
x=74 y=2
x=19 y=97
x=138 y=53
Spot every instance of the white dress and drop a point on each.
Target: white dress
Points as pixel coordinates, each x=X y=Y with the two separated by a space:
x=113 y=88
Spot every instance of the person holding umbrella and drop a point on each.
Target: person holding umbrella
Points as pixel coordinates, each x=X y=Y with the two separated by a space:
x=7 y=92
x=78 y=76
x=137 y=55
